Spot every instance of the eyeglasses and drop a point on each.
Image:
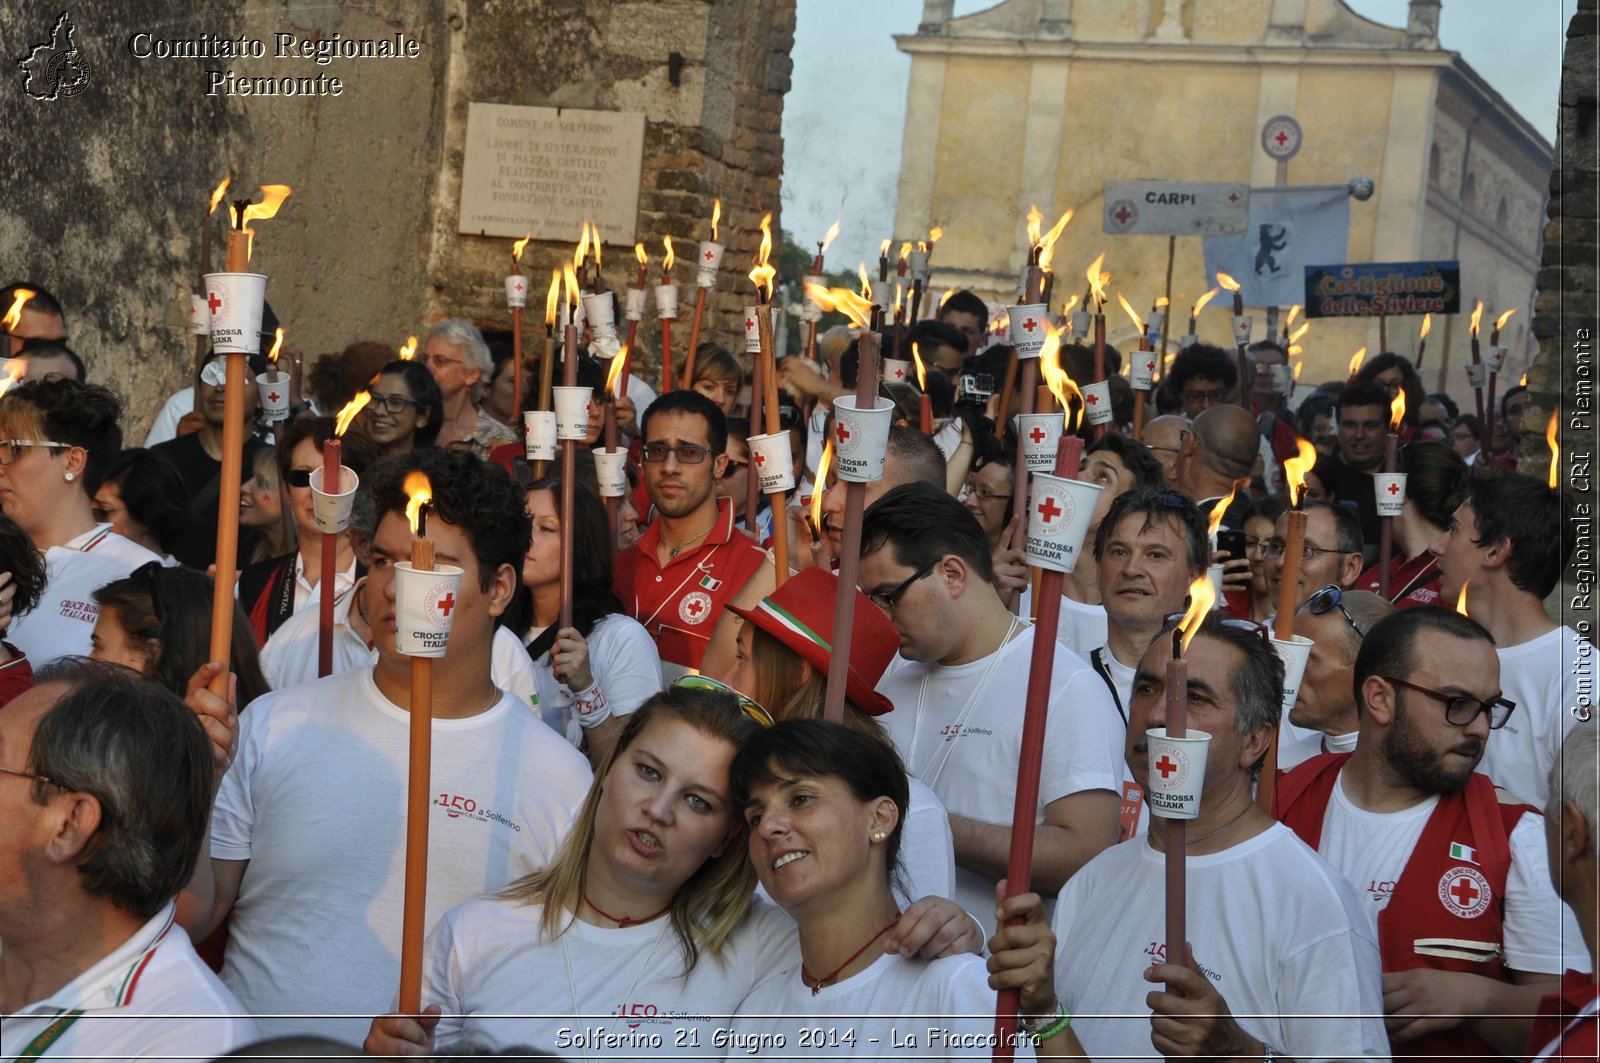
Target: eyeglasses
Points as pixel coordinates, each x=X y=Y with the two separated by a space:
x=1252 y=544
x=887 y=599
x=1331 y=597
x=686 y=453
x=747 y=705
x=391 y=403
x=1459 y=709
x=983 y=494
x=1274 y=547
x=9 y=447
x=439 y=361
x=1196 y=398
x=31 y=775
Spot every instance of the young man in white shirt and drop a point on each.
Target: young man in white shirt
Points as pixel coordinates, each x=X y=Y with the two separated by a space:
x=958 y=689
x=1335 y=621
x=1506 y=546
x=307 y=840
x=105 y=784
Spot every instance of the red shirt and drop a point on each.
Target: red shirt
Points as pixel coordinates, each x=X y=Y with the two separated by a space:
x=1565 y=1027
x=680 y=603
x=1420 y=574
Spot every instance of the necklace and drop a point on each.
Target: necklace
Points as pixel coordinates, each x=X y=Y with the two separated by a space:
x=674 y=551
x=623 y=920
x=1208 y=834
x=935 y=767
x=627 y=998
x=816 y=984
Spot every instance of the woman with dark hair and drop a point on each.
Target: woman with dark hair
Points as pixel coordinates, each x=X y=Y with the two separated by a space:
x=590 y=675
x=988 y=495
x=57 y=438
x=145 y=500
x=273 y=590
x=406 y=410
x=158 y=623
x=1396 y=373
x=1436 y=483
x=1260 y=520
x=826 y=807
x=1316 y=419
x=22 y=583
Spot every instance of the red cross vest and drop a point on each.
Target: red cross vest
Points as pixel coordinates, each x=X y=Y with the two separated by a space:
x=1447 y=911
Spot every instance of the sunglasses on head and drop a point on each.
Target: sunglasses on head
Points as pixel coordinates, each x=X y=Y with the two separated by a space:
x=1328 y=599
x=747 y=705
x=1232 y=623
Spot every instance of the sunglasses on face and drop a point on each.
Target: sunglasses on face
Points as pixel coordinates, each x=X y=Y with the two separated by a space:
x=299 y=477
x=747 y=705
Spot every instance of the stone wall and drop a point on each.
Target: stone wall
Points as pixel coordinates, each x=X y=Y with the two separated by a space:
x=1565 y=318
x=104 y=190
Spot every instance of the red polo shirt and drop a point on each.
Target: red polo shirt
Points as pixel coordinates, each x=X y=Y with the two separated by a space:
x=1565 y=1027
x=680 y=602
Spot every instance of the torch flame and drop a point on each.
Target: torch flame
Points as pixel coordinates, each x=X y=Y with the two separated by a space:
x=1397 y=410
x=614 y=375
x=222 y=190
x=1162 y=302
x=716 y=216
x=1227 y=282
x=1427 y=326
x=1296 y=468
x=409 y=350
x=666 y=265
x=1098 y=279
x=866 y=282
x=1214 y=522
x=348 y=414
x=1047 y=243
x=583 y=247
x=1555 y=451
x=1130 y=311
x=847 y=302
x=1356 y=360
x=1305 y=327
x=277 y=344
x=594 y=240
x=1461 y=599
x=272 y=197
x=830 y=236
x=518 y=247
x=419 y=492
x=945 y=298
x=15 y=369
x=763 y=273
x=1202 y=596
x=1523 y=382
x=905 y=252
x=1035 y=221
x=639 y=253
x=569 y=281
x=922 y=373
x=1066 y=307
x=1297 y=367
x=883 y=248
x=1500 y=322
x=1056 y=377
x=823 y=464
x=13 y=316
x=1200 y=303
x=934 y=235
x=1294 y=312
x=552 y=298
x=1477 y=313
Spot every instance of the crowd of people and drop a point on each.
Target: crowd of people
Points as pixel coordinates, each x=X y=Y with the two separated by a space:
x=646 y=835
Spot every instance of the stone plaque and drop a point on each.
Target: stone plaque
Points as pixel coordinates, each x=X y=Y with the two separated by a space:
x=544 y=170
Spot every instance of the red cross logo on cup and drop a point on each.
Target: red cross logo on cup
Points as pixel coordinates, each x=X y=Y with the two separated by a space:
x=899 y=374
x=1393 y=489
x=843 y=433
x=1092 y=398
x=1049 y=510
x=710 y=255
x=1038 y=435
x=272 y=397
x=749 y=325
x=446 y=604
x=213 y=302
x=761 y=459
x=1030 y=324
x=517 y=287
x=1166 y=767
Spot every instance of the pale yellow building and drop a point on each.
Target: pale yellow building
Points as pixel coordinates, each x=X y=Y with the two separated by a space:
x=1041 y=101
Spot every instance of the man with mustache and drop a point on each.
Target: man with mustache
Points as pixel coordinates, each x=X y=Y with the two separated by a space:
x=1470 y=928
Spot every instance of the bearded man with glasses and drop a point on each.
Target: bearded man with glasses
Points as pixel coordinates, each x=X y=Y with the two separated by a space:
x=1471 y=930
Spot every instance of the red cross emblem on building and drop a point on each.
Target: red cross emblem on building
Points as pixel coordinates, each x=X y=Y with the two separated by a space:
x=446 y=604
x=1030 y=324
x=1049 y=510
x=1465 y=893
x=1165 y=766
x=1038 y=435
x=1393 y=489
x=1122 y=214
x=213 y=302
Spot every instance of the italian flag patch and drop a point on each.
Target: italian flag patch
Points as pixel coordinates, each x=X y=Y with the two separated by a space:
x=710 y=584
x=1463 y=852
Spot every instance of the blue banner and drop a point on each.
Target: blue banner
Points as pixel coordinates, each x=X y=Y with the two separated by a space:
x=1379 y=289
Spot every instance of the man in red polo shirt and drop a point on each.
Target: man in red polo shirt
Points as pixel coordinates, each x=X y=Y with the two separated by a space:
x=691 y=563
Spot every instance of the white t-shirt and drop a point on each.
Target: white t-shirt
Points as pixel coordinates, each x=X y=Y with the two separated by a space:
x=1546 y=677
x=150 y=997
x=974 y=773
x=63 y=621
x=1277 y=931
x=895 y=1009
x=1292 y=754
x=316 y=801
x=1371 y=850
x=624 y=663
x=1082 y=627
x=501 y=983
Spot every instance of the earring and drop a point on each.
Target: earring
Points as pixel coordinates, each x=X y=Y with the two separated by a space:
x=70 y=477
x=879 y=836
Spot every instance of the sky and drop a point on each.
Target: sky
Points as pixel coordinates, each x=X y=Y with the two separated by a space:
x=845 y=113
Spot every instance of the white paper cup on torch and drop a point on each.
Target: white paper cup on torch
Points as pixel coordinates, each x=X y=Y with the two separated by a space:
x=1097 y=401
x=1153 y=323
x=1216 y=574
x=709 y=262
x=634 y=309
x=332 y=511
x=1187 y=340
x=1295 y=653
x=752 y=330
x=424 y=605
x=1242 y=324
x=1477 y=374
x=918 y=265
x=601 y=312
x=1058 y=520
x=860 y=438
x=1495 y=358
x=896 y=371
x=235 y=301
x=1041 y=435
x=1177 y=772
x=199 y=316
x=773 y=456
x=667 y=302
x=1391 y=491
x=1029 y=325
x=540 y=441
x=610 y=469
x=883 y=294
x=516 y=291
x=811 y=310
x=1142 y=370
x=572 y=412
x=1080 y=324
x=274 y=387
